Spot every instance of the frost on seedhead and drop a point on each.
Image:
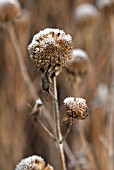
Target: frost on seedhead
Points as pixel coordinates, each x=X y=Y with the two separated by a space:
x=33 y=163
x=85 y=12
x=9 y=9
x=50 y=49
x=76 y=109
x=39 y=102
x=72 y=102
x=79 y=62
x=68 y=101
x=79 y=54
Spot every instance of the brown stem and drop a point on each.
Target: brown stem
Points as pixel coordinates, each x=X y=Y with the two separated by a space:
x=31 y=87
x=46 y=129
x=57 y=122
x=86 y=147
x=67 y=132
x=110 y=130
x=19 y=55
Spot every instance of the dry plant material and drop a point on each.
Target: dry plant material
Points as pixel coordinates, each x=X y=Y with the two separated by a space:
x=106 y=5
x=50 y=49
x=76 y=109
x=36 y=107
x=86 y=14
x=78 y=65
x=33 y=163
x=9 y=9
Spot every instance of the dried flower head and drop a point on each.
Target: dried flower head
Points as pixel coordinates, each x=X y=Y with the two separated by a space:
x=76 y=109
x=106 y=5
x=79 y=62
x=9 y=9
x=50 y=49
x=33 y=163
x=86 y=14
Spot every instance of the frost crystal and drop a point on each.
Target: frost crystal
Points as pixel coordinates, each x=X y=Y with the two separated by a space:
x=68 y=101
x=50 y=49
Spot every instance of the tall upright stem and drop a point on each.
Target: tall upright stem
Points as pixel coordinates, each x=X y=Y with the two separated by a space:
x=57 y=122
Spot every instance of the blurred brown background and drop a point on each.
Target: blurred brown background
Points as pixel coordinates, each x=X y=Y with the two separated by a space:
x=90 y=141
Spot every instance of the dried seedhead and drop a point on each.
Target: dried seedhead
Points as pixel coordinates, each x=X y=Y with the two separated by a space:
x=76 y=109
x=79 y=65
x=50 y=49
x=79 y=62
x=33 y=163
x=86 y=14
x=9 y=9
x=106 y=6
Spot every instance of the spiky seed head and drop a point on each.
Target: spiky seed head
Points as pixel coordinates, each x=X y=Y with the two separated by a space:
x=75 y=103
x=33 y=163
x=76 y=109
x=50 y=49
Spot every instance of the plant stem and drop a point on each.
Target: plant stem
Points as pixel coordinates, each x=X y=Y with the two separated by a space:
x=67 y=132
x=57 y=122
x=15 y=43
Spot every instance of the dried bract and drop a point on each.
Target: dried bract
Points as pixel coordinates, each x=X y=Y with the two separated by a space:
x=33 y=163
x=9 y=9
x=76 y=109
x=50 y=49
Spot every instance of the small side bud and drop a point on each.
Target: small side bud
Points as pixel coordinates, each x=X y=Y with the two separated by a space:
x=76 y=109
x=36 y=107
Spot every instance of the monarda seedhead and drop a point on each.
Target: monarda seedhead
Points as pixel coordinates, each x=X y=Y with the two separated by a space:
x=50 y=50
x=33 y=163
x=76 y=109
